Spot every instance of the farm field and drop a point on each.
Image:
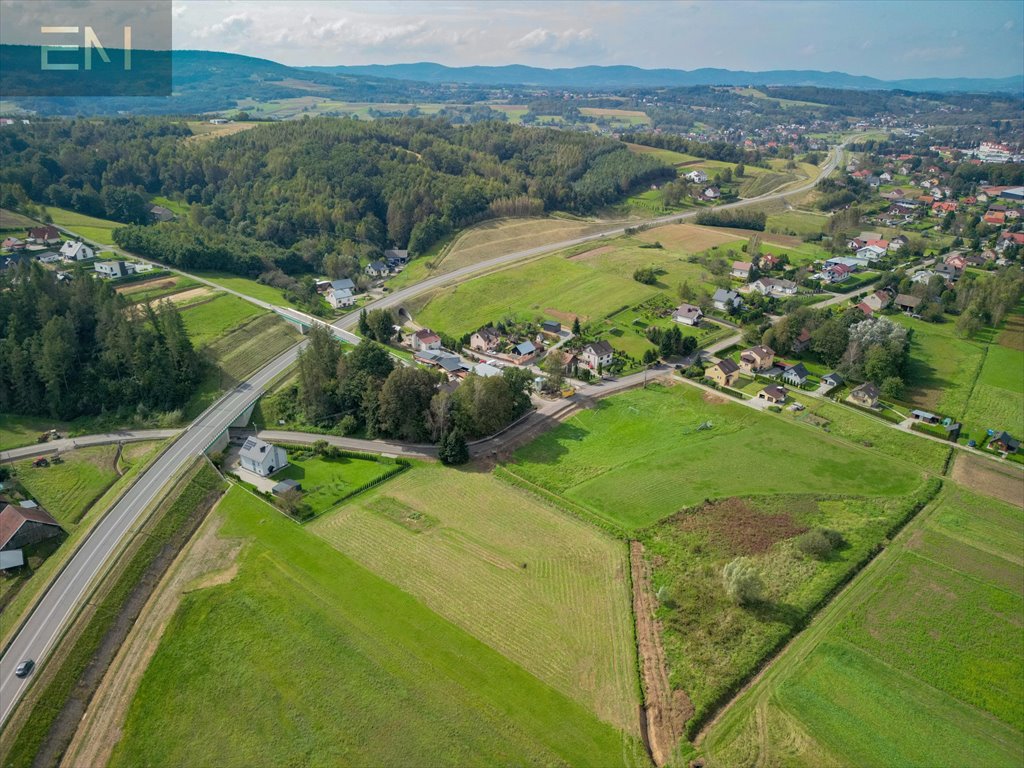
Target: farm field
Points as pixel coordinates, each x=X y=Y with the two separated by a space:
x=16 y=430
x=244 y=285
x=91 y=228
x=542 y=588
x=690 y=238
x=212 y=319
x=942 y=367
x=997 y=401
x=919 y=662
x=662 y=462
x=205 y=131
x=667 y=155
x=68 y=489
x=326 y=481
x=12 y=220
x=340 y=664
x=796 y=222
x=158 y=288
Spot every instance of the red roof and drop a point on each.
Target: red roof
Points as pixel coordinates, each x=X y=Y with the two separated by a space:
x=1016 y=237
x=994 y=217
x=865 y=309
x=13 y=517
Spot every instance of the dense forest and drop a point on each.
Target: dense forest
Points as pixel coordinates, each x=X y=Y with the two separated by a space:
x=314 y=187
x=73 y=348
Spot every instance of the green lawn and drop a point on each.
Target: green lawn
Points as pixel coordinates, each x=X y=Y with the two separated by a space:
x=212 y=319
x=306 y=658
x=638 y=457
x=997 y=401
x=16 y=431
x=91 y=228
x=796 y=222
x=159 y=288
x=176 y=207
x=68 y=489
x=539 y=586
x=244 y=285
x=918 y=663
x=326 y=481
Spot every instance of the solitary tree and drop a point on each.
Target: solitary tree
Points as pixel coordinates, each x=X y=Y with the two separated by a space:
x=742 y=581
x=575 y=326
x=453 y=449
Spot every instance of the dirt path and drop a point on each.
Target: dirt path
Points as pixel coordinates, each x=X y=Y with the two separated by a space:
x=667 y=710
x=199 y=566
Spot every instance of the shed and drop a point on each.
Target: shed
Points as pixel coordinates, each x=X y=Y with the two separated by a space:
x=286 y=485
x=551 y=326
x=11 y=558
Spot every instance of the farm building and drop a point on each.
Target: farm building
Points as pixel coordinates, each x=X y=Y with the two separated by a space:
x=551 y=326
x=925 y=416
x=906 y=303
x=159 y=213
x=24 y=525
x=262 y=458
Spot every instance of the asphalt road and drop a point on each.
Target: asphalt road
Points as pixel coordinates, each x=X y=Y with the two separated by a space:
x=39 y=634
x=70 y=443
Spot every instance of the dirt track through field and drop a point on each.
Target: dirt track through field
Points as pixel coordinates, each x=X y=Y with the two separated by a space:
x=667 y=710
x=199 y=566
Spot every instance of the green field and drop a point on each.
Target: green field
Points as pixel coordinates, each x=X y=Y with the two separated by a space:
x=326 y=481
x=13 y=220
x=176 y=207
x=665 y=155
x=305 y=657
x=997 y=401
x=661 y=462
x=212 y=319
x=248 y=287
x=68 y=489
x=542 y=588
x=91 y=228
x=918 y=663
x=16 y=431
x=158 y=288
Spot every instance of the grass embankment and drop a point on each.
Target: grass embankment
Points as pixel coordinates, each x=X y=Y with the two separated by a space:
x=919 y=662
x=544 y=589
x=213 y=319
x=341 y=665
x=248 y=287
x=37 y=736
x=662 y=462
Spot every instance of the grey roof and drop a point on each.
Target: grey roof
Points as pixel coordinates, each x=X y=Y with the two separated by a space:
x=867 y=388
x=722 y=295
x=525 y=348
x=833 y=377
x=923 y=415
x=395 y=253
x=799 y=370
x=286 y=485
x=340 y=285
x=377 y=266
x=600 y=348
x=254 y=449
x=451 y=363
x=11 y=558
x=727 y=365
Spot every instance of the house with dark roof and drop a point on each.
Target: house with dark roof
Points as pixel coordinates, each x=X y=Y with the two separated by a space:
x=21 y=526
x=831 y=381
x=598 y=353
x=160 y=213
x=46 y=235
x=905 y=302
x=796 y=375
x=774 y=394
x=377 y=269
x=1003 y=442
x=486 y=339
x=724 y=372
x=866 y=395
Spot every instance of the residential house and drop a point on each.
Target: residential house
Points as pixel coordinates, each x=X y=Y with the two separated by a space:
x=948 y=271
x=871 y=252
x=340 y=298
x=424 y=339
x=741 y=270
x=48 y=257
x=261 y=457
x=796 y=375
x=47 y=235
x=377 y=269
x=724 y=372
x=159 y=213
x=726 y=300
x=886 y=177
x=878 y=300
x=942 y=208
x=755 y=359
x=774 y=394
x=865 y=395
x=399 y=257
x=836 y=273
x=775 y=286
x=598 y=353
x=831 y=380
x=13 y=244
x=22 y=525
x=112 y=269
x=712 y=193
x=1006 y=239
x=769 y=261
x=906 y=303
x=802 y=342
x=76 y=251
x=897 y=242
x=956 y=260
x=922 y=276
x=697 y=177
x=485 y=340
x=688 y=314
x=1003 y=442
x=996 y=218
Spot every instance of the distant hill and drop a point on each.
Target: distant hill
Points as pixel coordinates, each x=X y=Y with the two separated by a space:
x=598 y=77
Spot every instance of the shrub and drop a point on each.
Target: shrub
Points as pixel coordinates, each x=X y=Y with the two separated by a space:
x=819 y=542
x=742 y=581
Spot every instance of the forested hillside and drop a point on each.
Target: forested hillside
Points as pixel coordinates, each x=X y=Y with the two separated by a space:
x=312 y=187
x=68 y=349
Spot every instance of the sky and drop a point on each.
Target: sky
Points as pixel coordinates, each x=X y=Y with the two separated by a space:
x=880 y=38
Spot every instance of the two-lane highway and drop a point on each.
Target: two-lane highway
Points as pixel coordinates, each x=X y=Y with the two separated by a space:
x=36 y=639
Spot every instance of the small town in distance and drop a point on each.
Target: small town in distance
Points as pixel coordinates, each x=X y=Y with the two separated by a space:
x=564 y=402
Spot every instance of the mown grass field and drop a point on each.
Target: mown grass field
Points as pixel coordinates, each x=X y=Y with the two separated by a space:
x=943 y=367
x=339 y=668
x=91 y=228
x=212 y=319
x=244 y=285
x=997 y=401
x=16 y=431
x=326 y=481
x=13 y=220
x=919 y=662
x=661 y=462
x=542 y=588
x=157 y=288
x=68 y=489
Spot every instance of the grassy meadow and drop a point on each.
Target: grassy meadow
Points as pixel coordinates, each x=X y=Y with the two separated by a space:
x=212 y=319
x=662 y=463
x=997 y=401
x=544 y=589
x=248 y=287
x=339 y=668
x=919 y=662
x=68 y=489
x=91 y=228
x=326 y=481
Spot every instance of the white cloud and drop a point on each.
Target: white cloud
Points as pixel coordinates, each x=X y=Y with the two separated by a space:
x=232 y=26
x=543 y=40
x=178 y=9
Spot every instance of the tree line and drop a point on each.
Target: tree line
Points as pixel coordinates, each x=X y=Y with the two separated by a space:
x=77 y=348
